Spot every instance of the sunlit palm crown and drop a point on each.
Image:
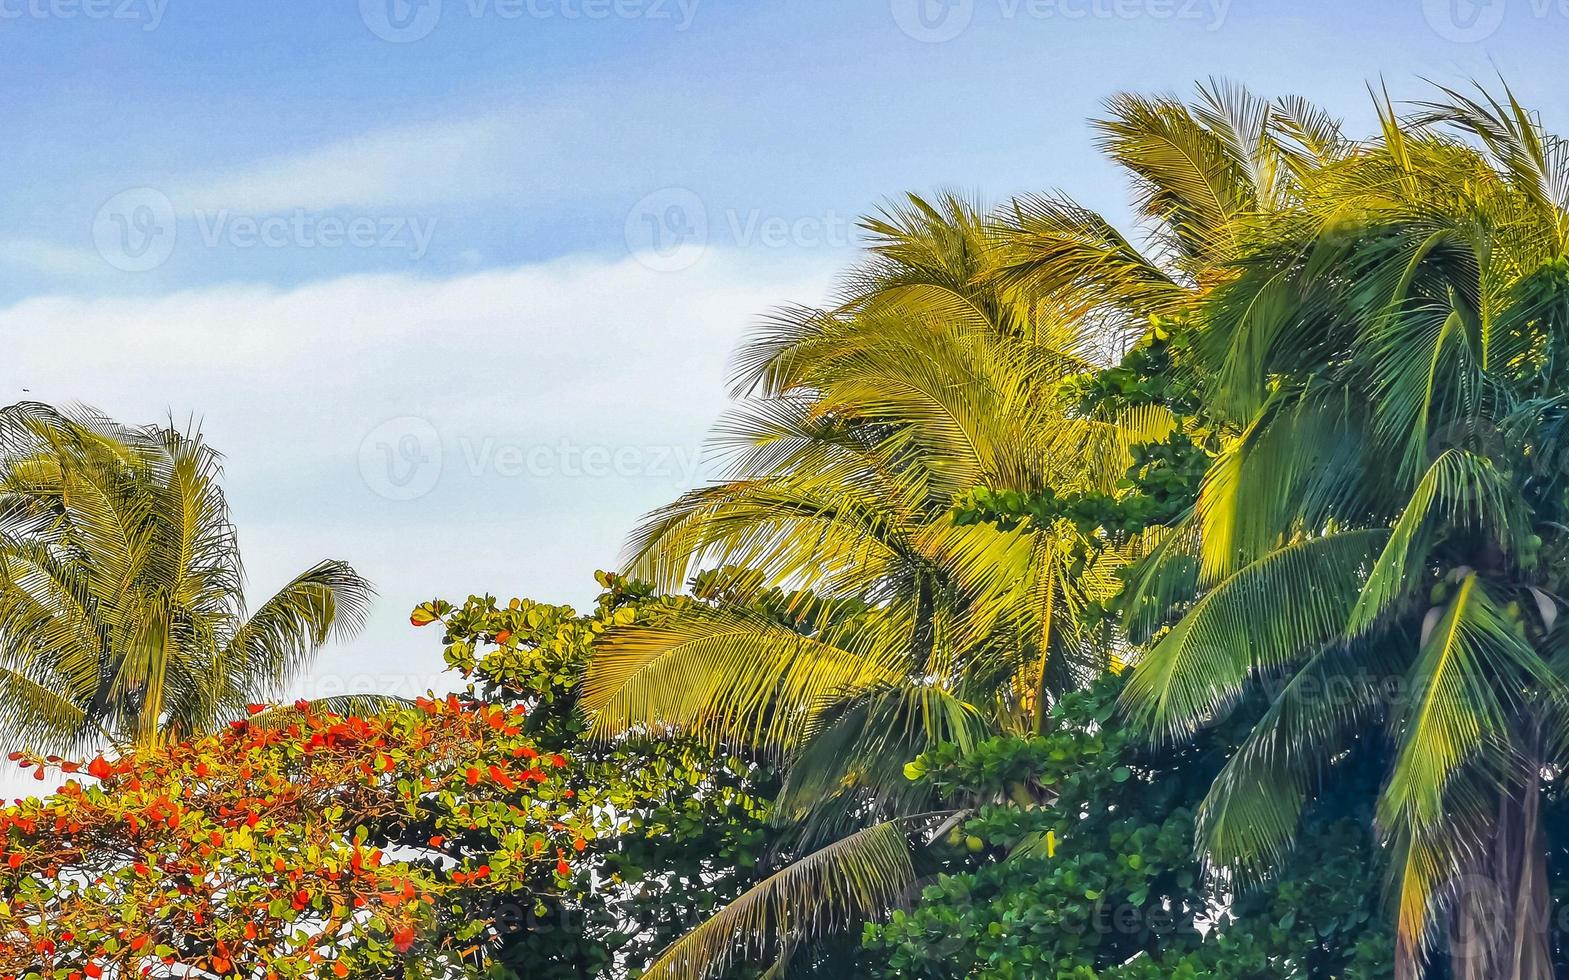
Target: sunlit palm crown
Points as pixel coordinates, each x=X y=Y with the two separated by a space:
x=122 y=617
x=939 y=369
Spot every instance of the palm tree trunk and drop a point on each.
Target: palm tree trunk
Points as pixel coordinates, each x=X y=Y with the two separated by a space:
x=154 y=686
x=1043 y=684
x=924 y=638
x=1503 y=910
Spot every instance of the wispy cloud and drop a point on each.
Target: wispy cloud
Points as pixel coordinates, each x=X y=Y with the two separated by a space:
x=408 y=166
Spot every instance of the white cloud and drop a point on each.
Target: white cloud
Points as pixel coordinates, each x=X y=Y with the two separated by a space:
x=408 y=166
x=520 y=372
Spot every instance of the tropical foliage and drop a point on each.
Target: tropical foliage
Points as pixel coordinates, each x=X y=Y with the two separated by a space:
x=331 y=843
x=678 y=830
x=1205 y=574
x=964 y=354
x=1076 y=860
x=1336 y=438
x=1389 y=517
x=122 y=612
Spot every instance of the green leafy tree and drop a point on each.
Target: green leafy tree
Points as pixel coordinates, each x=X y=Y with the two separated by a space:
x=122 y=614
x=681 y=829
x=1073 y=858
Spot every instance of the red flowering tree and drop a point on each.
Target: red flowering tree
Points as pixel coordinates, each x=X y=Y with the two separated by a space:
x=309 y=846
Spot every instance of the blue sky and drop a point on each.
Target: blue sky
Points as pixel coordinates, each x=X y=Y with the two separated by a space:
x=453 y=282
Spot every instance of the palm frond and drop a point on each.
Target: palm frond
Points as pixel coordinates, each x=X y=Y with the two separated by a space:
x=729 y=676
x=1266 y=616
x=1250 y=815
x=850 y=880
x=1460 y=489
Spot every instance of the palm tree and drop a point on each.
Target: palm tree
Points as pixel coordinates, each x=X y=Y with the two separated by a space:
x=941 y=368
x=1393 y=348
x=122 y=616
x=860 y=427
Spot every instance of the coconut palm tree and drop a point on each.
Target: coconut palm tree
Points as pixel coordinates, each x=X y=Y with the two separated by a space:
x=860 y=427
x=122 y=617
x=1393 y=348
x=940 y=368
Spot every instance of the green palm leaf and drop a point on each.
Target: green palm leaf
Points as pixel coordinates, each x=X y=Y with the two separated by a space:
x=1264 y=617
x=851 y=879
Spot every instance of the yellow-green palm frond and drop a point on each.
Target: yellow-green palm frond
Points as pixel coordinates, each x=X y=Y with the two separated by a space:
x=733 y=677
x=1460 y=489
x=34 y=715
x=853 y=766
x=1188 y=181
x=794 y=530
x=848 y=881
x=1469 y=675
x=1299 y=466
x=1308 y=137
x=1269 y=614
x=1535 y=162
x=327 y=601
x=928 y=260
x=1081 y=266
x=1245 y=125
x=1454 y=750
